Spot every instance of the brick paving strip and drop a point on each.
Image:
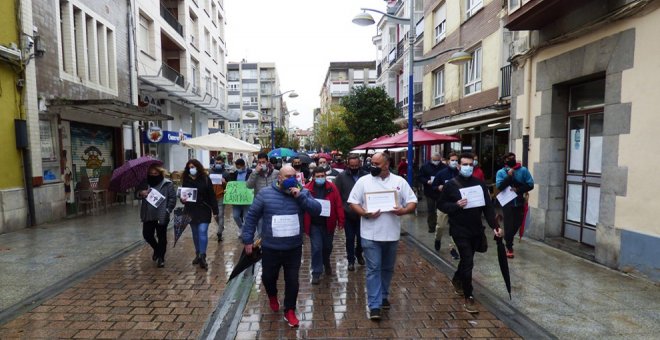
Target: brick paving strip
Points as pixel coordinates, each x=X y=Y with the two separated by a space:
x=133 y=299
x=423 y=305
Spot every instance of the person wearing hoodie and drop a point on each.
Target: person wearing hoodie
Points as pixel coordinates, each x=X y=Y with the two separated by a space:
x=516 y=176
x=321 y=229
x=201 y=210
x=281 y=208
x=241 y=174
x=443 y=176
x=155 y=214
x=425 y=177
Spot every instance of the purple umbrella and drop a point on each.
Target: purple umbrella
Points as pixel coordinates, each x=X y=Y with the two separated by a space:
x=132 y=173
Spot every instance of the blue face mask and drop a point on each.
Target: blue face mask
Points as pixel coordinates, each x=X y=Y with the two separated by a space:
x=289 y=183
x=241 y=170
x=466 y=170
x=453 y=164
x=319 y=181
x=193 y=171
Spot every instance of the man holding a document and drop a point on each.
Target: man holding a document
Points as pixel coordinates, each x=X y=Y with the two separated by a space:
x=465 y=199
x=380 y=200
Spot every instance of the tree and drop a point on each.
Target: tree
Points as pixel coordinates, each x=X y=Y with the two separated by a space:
x=281 y=138
x=331 y=131
x=370 y=113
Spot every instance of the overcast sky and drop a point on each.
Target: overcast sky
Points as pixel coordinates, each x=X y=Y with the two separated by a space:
x=301 y=37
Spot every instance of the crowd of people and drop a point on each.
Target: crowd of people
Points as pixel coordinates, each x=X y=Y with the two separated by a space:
x=364 y=198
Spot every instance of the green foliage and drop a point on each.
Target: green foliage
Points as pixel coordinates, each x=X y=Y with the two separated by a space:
x=369 y=113
x=281 y=138
x=332 y=133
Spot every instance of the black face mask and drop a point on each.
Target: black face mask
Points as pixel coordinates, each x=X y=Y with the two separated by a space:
x=154 y=180
x=297 y=166
x=375 y=171
x=355 y=171
x=511 y=163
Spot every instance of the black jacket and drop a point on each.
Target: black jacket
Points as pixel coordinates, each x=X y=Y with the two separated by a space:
x=345 y=184
x=206 y=204
x=425 y=173
x=233 y=176
x=465 y=222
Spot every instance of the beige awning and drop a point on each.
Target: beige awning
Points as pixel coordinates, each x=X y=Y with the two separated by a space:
x=220 y=142
x=454 y=129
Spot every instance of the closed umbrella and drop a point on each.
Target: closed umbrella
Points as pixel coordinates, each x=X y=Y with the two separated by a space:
x=245 y=261
x=180 y=222
x=504 y=264
x=132 y=173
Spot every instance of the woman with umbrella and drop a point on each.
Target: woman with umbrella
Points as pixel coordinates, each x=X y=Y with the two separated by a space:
x=199 y=207
x=158 y=201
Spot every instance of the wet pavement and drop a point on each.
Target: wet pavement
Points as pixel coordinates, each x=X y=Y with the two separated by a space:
x=93 y=277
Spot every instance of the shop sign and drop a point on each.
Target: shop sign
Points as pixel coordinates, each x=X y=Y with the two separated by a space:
x=156 y=135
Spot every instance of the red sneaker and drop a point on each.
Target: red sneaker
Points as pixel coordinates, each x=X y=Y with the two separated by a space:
x=290 y=317
x=274 y=304
x=509 y=253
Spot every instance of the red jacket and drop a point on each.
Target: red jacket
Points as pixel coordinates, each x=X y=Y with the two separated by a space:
x=336 y=207
x=478 y=173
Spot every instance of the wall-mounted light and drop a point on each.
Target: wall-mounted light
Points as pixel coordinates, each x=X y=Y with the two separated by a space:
x=39 y=49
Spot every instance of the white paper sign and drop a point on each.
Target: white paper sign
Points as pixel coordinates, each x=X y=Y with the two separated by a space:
x=325 y=207
x=507 y=195
x=474 y=196
x=155 y=198
x=190 y=194
x=432 y=179
x=285 y=225
x=216 y=178
x=383 y=201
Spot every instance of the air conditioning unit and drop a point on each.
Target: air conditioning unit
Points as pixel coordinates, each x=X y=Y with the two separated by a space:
x=12 y=53
x=519 y=45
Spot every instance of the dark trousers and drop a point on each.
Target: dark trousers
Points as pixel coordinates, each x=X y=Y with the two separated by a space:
x=466 y=248
x=271 y=262
x=513 y=218
x=160 y=244
x=321 y=248
x=353 y=244
x=432 y=217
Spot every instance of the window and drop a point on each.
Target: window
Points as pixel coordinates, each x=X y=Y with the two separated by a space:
x=358 y=74
x=233 y=75
x=439 y=23
x=234 y=99
x=207 y=81
x=234 y=126
x=373 y=74
x=439 y=87
x=472 y=74
x=194 y=69
x=249 y=87
x=144 y=34
x=472 y=7
x=193 y=30
x=232 y=86
x=513 y=5
x=215 y=86
x=214 y=49
x=47 y=141
x=249 y=74
x=207 y=42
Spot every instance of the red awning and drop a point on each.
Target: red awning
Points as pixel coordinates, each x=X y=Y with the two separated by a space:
x=420 y=137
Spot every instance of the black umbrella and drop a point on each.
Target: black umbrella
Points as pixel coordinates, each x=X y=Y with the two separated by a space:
x=246 y=261
x=504 y=264
x=304 y=158
x=180 y=221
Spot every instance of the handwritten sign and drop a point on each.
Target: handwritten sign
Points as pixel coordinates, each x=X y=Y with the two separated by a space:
x=237 y=193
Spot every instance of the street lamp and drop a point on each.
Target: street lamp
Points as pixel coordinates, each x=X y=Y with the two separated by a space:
x=292 y=94
x=460 y=57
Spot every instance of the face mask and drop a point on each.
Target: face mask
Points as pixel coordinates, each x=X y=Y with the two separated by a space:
x=375 y=171
x=435 y=162
x=453 y=164
x=476 y=162
x=297 y=166
x=466 y=170
x=154 y=180
x=289 y=183
x=355 y=171
x=193 y=171
x=511 y=163
x=240 y=170
x=319 y=181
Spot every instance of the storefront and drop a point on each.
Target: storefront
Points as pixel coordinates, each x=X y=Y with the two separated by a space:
x=164 y=145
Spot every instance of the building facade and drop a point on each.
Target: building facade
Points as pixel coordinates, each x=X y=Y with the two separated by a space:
x=583 y=116
x=341 y=77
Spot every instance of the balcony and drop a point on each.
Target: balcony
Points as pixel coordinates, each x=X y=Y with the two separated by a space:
x=173 y=75
x=391 y=57
x=171 y=19
x=536 y=14
x=400 y=48
x=379 y=70
x=339 y=90
x=505 y=87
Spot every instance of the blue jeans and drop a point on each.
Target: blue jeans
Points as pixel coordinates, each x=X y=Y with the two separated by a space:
x=239 y=212
x=221 y=216
x=380 y=257
x=200 y=233
x=321 y=247
x=353 y=246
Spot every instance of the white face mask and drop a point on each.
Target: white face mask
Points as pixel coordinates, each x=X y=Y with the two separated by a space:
x=453 y=164
x=435 y=162
x=193 y=171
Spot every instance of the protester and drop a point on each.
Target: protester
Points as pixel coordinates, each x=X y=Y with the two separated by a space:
x=321 y=229
x=402 y=169
x=219 y=190
x=380 y=230
x=345 y=183
x=330 y=173
x=478 y=173
x=516 y=176
x=426 y=175
x=296 y=163
x=339 y=163
x=239 y=212
x=281 y=207
x=442 y=177
x=155 y=218
x=199 y=208
x=264 y=174
x=466 y=228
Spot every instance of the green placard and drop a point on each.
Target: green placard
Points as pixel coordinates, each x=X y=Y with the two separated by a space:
x=237 y=193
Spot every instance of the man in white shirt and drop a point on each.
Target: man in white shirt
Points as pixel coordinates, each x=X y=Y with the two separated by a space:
x=380 y=230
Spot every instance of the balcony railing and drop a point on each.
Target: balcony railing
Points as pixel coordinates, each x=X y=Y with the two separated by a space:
x=173 y=75
x=400 y=49
x=171 y=19
x=505 y=88
x=379 y=70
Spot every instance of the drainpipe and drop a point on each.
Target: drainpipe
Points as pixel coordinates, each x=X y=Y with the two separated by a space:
x=132 y=72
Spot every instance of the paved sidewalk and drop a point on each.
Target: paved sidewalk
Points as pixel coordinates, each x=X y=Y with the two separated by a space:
x=571 y=297
x=423 y=305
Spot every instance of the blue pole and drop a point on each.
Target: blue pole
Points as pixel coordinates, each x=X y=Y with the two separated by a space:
x=411 y=69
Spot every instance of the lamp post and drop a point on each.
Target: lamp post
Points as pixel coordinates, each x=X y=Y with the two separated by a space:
x=365 y=19
x=292 y=94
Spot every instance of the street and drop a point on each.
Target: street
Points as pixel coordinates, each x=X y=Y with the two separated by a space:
x=128 y=297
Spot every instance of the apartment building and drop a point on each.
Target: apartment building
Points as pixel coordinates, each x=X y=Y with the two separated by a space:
x=341 y=77
x=255 y=99
x=585 y=78
x=471 y=100
x=181 y=73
